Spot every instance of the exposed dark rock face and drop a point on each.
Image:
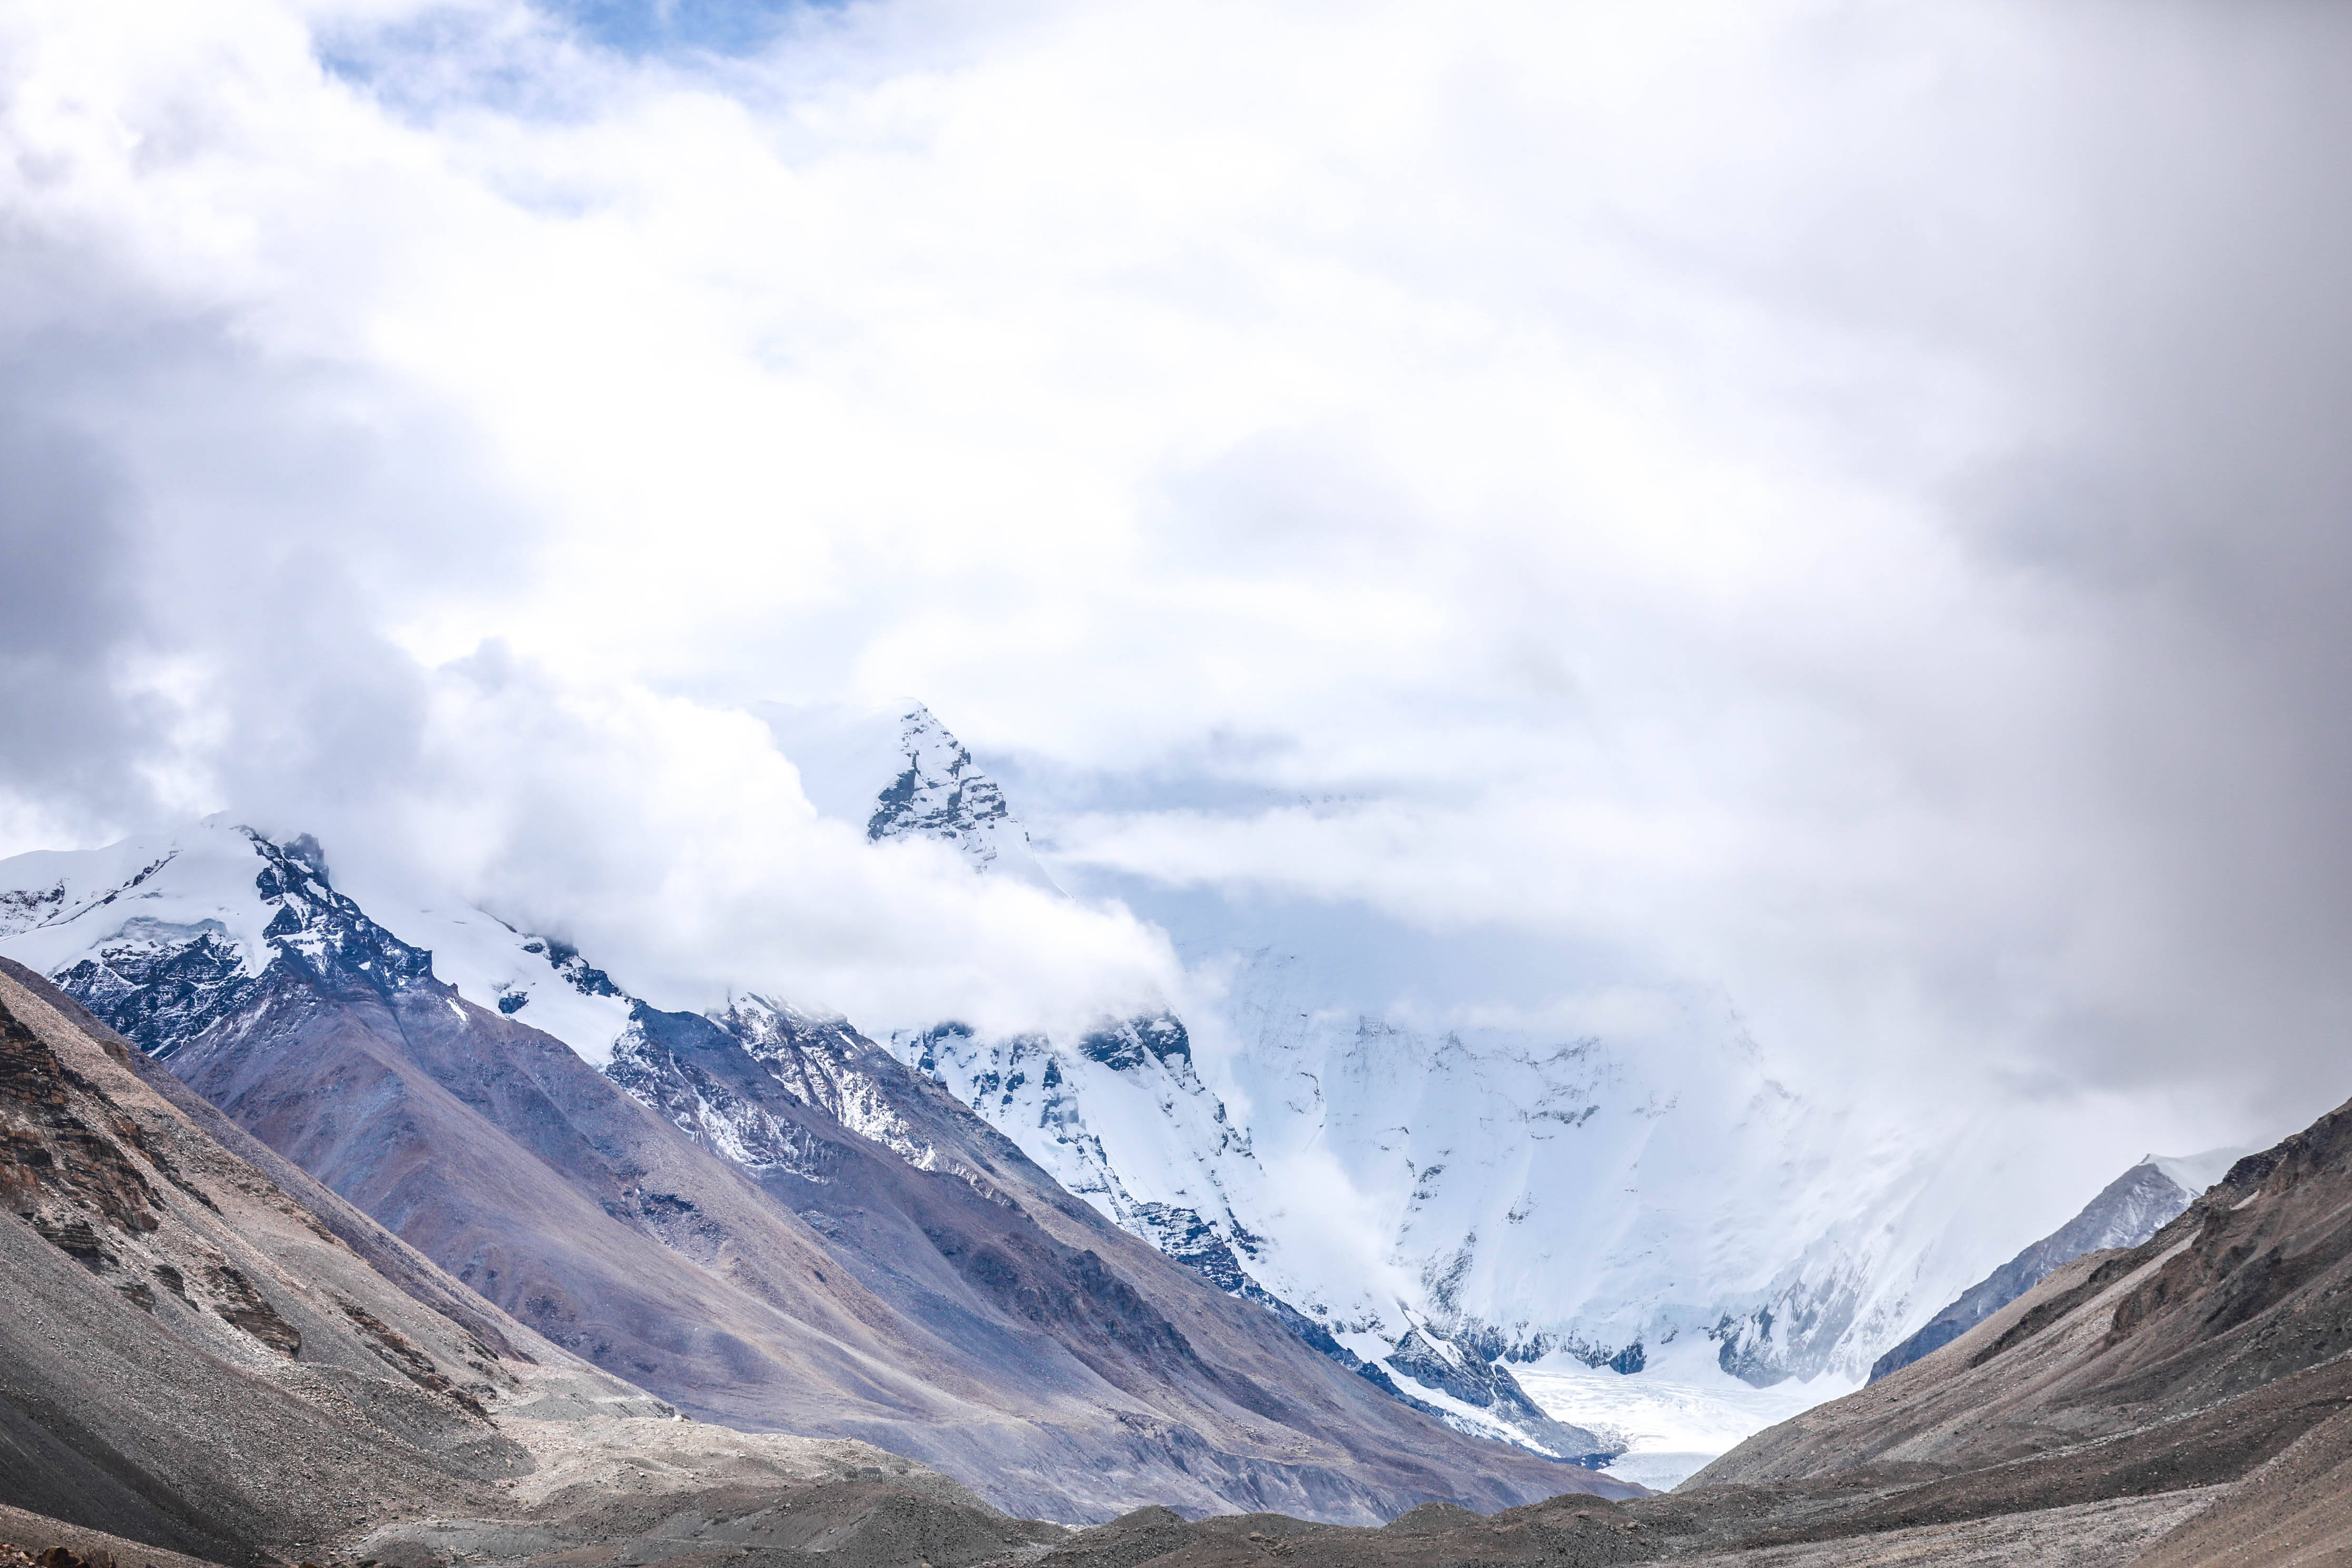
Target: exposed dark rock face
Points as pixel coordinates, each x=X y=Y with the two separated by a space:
x=1158 y=1036
x=162 y=986
x=164 y=992
x=1182 y=1233
x=940 y=792
x=565 y=960
x=21 y=909
x=2127 y=1212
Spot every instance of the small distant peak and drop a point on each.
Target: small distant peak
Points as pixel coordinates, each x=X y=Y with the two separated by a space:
x=304 y=849
x=2192 y=1173
x=897 y=772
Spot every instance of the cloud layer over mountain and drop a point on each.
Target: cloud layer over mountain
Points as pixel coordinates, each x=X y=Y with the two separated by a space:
x=1836 y=501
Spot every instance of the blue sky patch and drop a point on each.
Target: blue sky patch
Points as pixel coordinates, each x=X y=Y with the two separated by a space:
x=660 y=27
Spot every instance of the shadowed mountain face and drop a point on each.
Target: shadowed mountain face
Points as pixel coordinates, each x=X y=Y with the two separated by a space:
x=776 y=1227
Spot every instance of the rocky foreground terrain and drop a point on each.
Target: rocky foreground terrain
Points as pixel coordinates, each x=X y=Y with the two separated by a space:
x=206 y=1356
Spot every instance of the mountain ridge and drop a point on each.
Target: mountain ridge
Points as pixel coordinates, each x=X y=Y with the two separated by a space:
x=343 y=1052
x=2185 y=1403
x=2126 y=1212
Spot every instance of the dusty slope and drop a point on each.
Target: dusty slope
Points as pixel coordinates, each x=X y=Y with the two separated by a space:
x=196 y=1362
x=968 y=1313
x=1583 y=1532
x=35 y=1534
x=189 y=1357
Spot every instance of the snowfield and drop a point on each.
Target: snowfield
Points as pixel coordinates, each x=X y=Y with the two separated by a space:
x=1678 y=1413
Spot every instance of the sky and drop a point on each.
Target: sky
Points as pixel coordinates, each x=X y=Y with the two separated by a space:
x=1842 y=503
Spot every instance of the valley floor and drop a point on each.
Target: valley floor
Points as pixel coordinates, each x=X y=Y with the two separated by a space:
x=2104 y=1534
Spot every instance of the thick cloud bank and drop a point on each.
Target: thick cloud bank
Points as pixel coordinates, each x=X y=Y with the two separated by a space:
x=1845 y=502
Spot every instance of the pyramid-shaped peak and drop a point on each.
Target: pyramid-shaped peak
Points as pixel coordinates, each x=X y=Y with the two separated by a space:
x=939 y=792
x=898 y=772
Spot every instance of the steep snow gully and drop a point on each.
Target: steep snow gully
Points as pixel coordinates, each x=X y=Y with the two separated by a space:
x=1626 y=1255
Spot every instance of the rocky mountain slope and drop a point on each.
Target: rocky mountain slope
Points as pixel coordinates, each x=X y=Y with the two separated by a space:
x=203 y=1361
x=189 y=1357
x=762 y=1218
x=2127 y=1211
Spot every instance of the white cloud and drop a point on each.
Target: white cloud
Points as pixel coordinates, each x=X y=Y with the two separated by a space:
x=673 y=845
x=1835 y=500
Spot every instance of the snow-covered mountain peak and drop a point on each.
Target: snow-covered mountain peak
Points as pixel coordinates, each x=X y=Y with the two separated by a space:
x=1406 y=1189
x=177 y=928
x=176 y=933
x=205 y=872
x=901 y=773
x=1432 y=1206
